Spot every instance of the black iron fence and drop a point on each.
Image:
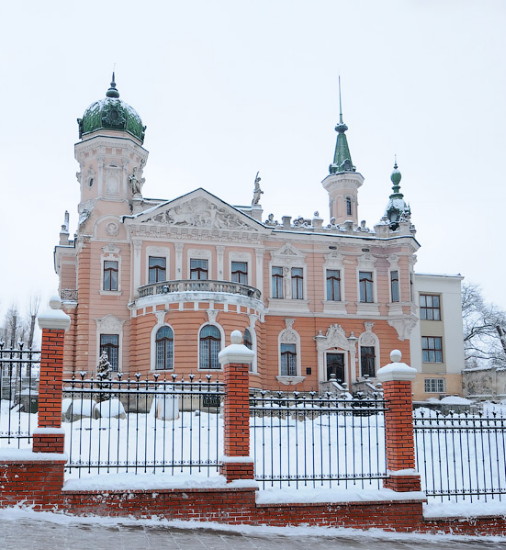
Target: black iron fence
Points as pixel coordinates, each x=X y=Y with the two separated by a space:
x=19 y=379
x=142 y=425
x=312 y=440
x=461 y=456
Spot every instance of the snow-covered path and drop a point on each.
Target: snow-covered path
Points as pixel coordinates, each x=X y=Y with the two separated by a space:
x=24 y=529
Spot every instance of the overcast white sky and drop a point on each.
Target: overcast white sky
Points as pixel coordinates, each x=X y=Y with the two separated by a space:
x=229 y=87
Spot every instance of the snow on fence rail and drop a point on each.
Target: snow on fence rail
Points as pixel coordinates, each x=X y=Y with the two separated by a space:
x=316 y=440
x=461 y=457
x=19 y=379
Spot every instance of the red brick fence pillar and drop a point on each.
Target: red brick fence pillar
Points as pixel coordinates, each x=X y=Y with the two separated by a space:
x=235 y=359
x=400 y=446
x=49 y=437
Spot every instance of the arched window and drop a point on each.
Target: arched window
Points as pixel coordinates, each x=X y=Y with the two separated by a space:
x=348 y=206
x=164 y=349
x=209 y=347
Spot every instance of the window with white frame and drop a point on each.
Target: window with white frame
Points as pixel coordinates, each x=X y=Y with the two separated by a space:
x=297 y=274
x=109 y=343
x=209 y=347
x=366 y=286
x=368 y=361
x=288 y=354
x=394 y=286
x=435 y=385
x=333 y=277
x=239 y=272
x=277 y=282
x=348 y=206
x=199 y=269
x=157 y=269
x=110 y=275
x=164 y=349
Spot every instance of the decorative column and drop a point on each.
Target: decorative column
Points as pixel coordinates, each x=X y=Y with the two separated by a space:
x=49 y=436
x=235 y=359
x=400 y=445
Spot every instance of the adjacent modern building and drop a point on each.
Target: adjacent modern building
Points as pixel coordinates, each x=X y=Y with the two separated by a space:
x=160 y=284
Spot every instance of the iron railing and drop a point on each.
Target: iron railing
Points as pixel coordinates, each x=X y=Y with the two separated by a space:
x=19 y=379
x=311 y=440
x=461 y=457
x=142 y=425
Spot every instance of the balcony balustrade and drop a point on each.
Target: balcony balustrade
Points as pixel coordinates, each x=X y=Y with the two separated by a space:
x=192 y=285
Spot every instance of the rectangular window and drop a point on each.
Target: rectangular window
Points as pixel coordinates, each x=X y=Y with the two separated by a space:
x=334 y=285
x=110 y=275
x=288 y=360
x=394 y=286
x=430 y=307
x=297 y=283
x=110 y=344
x=366 y=284
x=367 y=361
x=157 y=269
x=240 y=272
x=432 y=349
x=277 y=282
x=434 y=385
x=199 y=269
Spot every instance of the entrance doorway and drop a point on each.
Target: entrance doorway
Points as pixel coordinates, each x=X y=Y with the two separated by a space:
x=335 y=366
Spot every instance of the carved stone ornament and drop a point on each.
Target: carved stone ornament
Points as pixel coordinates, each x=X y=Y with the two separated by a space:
x=289 y=336
x=368 y=338
x=199 y=212
x=403 y=325
x=112 y=229
x=211 y=315
x=109 y=324
x=334 y=338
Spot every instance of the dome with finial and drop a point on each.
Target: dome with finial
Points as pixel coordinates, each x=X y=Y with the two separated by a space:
x=111 y=113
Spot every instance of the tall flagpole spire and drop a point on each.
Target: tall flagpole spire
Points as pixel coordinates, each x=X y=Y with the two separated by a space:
x=342 y=158
x=340 y=103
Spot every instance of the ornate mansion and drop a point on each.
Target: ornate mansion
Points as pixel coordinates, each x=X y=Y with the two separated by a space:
x=159 y=285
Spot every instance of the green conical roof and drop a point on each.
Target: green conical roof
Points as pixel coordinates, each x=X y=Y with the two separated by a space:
x=342 y=157
x=111 y=113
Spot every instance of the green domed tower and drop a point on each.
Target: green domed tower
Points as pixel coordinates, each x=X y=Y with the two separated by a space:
x=111 y=113
x=111 y=159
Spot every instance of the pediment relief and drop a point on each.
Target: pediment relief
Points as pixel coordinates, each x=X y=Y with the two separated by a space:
x=198 y=212
x=335 y=337
x=288 y=251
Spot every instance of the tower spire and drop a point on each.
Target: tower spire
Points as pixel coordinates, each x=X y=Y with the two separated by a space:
x=342 y=157
x=112 y=91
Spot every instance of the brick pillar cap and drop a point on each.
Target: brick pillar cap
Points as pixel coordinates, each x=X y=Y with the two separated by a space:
x=54 y=318
x=237 y=352
x=396 y=370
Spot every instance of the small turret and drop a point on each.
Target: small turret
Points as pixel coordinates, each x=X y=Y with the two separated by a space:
x=343 y=180
x=397 y=210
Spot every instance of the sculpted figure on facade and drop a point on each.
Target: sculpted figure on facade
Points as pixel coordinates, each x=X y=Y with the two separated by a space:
x=257 y=192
